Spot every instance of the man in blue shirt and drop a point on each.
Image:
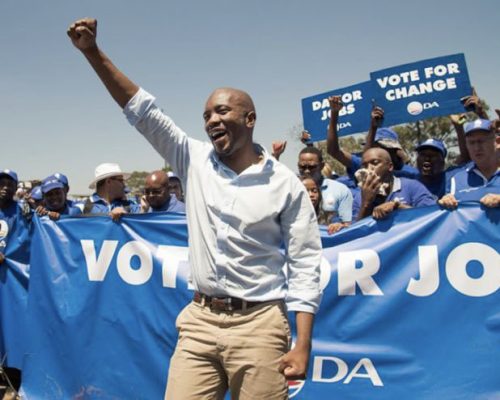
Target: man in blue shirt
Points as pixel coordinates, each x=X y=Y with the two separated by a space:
x=157 y=196
x=431 y=155
x=336 y=197
x=384 y=138
x=109 y=197
x=54 y=199
x=382 y=192
x=175 y=186
x=480 y=179
x=9 y=209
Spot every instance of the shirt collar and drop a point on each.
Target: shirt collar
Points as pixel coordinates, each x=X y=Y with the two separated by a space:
x=472 y=167
x=95 y=198
x=396 y=184
x=266 y=164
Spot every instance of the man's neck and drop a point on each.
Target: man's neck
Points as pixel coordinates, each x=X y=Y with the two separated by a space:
x=488 y=170
x=106 y=197
x=429 y=179
x=242 y=160
x=164 y=206
x=6 y=204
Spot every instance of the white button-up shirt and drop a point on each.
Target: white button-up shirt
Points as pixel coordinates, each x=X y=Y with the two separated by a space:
x=254 y=235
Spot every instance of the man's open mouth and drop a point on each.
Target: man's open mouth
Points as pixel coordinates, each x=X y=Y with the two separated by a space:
x=217 y=135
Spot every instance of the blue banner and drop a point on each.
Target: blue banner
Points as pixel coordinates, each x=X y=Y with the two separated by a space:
x=421 y=90
x=354 y=117
x=410 y=307
x=14 y=280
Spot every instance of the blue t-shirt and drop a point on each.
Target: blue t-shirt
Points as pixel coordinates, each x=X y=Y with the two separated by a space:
x=407 y=191
x=71 y=209
x=438 y=185
x=470 y=184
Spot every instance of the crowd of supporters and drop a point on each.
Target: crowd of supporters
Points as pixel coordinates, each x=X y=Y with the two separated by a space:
x=378 y=181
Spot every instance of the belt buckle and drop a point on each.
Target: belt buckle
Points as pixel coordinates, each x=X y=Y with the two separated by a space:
x=221 y=304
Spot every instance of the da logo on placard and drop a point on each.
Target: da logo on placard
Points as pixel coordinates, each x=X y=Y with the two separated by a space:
x=416 y=107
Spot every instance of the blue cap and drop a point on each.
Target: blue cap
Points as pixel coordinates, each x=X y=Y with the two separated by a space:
x=62 y=178
x=11 y=174
x=50 y=183
x=477 y=125
x=387 y=138
x=36 y=193
x=433 y=144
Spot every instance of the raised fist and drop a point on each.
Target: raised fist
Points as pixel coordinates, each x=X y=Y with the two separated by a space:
x=377 y=113
x=335 y=103
x=279 y=147
x=83 y=33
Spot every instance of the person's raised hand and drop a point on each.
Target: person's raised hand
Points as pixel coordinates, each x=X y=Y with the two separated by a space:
x=376 y=116
x=83 y=33
x=370 y=187
x=279 y=147
x=335 y=103
x=305 y=137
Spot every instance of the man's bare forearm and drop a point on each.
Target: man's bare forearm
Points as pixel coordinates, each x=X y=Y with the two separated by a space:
x=121 y=88
x=83 y=35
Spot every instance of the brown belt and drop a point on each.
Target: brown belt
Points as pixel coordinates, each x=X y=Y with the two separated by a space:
x=224 y=303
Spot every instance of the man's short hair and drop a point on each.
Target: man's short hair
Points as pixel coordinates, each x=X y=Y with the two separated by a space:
x=312 y=150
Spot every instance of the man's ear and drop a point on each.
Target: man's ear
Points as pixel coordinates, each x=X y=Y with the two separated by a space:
x=391 y=166
x=250 y=119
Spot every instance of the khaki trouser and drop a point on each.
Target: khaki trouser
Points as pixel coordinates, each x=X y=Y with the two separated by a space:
x=239 y=351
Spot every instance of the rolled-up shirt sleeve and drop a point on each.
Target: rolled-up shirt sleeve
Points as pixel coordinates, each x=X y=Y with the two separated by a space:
x=303 y=252
x=159 y=129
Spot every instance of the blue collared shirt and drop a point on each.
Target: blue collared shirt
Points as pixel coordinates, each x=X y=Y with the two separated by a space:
x=438 y=186
x=470 y=184
x=172 y=205
x=238 y=223
x=101 y=206
x=336 y=197
x=407 y=191
x=71 y=209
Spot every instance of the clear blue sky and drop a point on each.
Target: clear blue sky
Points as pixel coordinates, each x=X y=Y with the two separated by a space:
x=57 y=117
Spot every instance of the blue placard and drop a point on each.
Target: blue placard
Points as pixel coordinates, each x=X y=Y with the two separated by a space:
x=353 y=118
x=421 y=90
